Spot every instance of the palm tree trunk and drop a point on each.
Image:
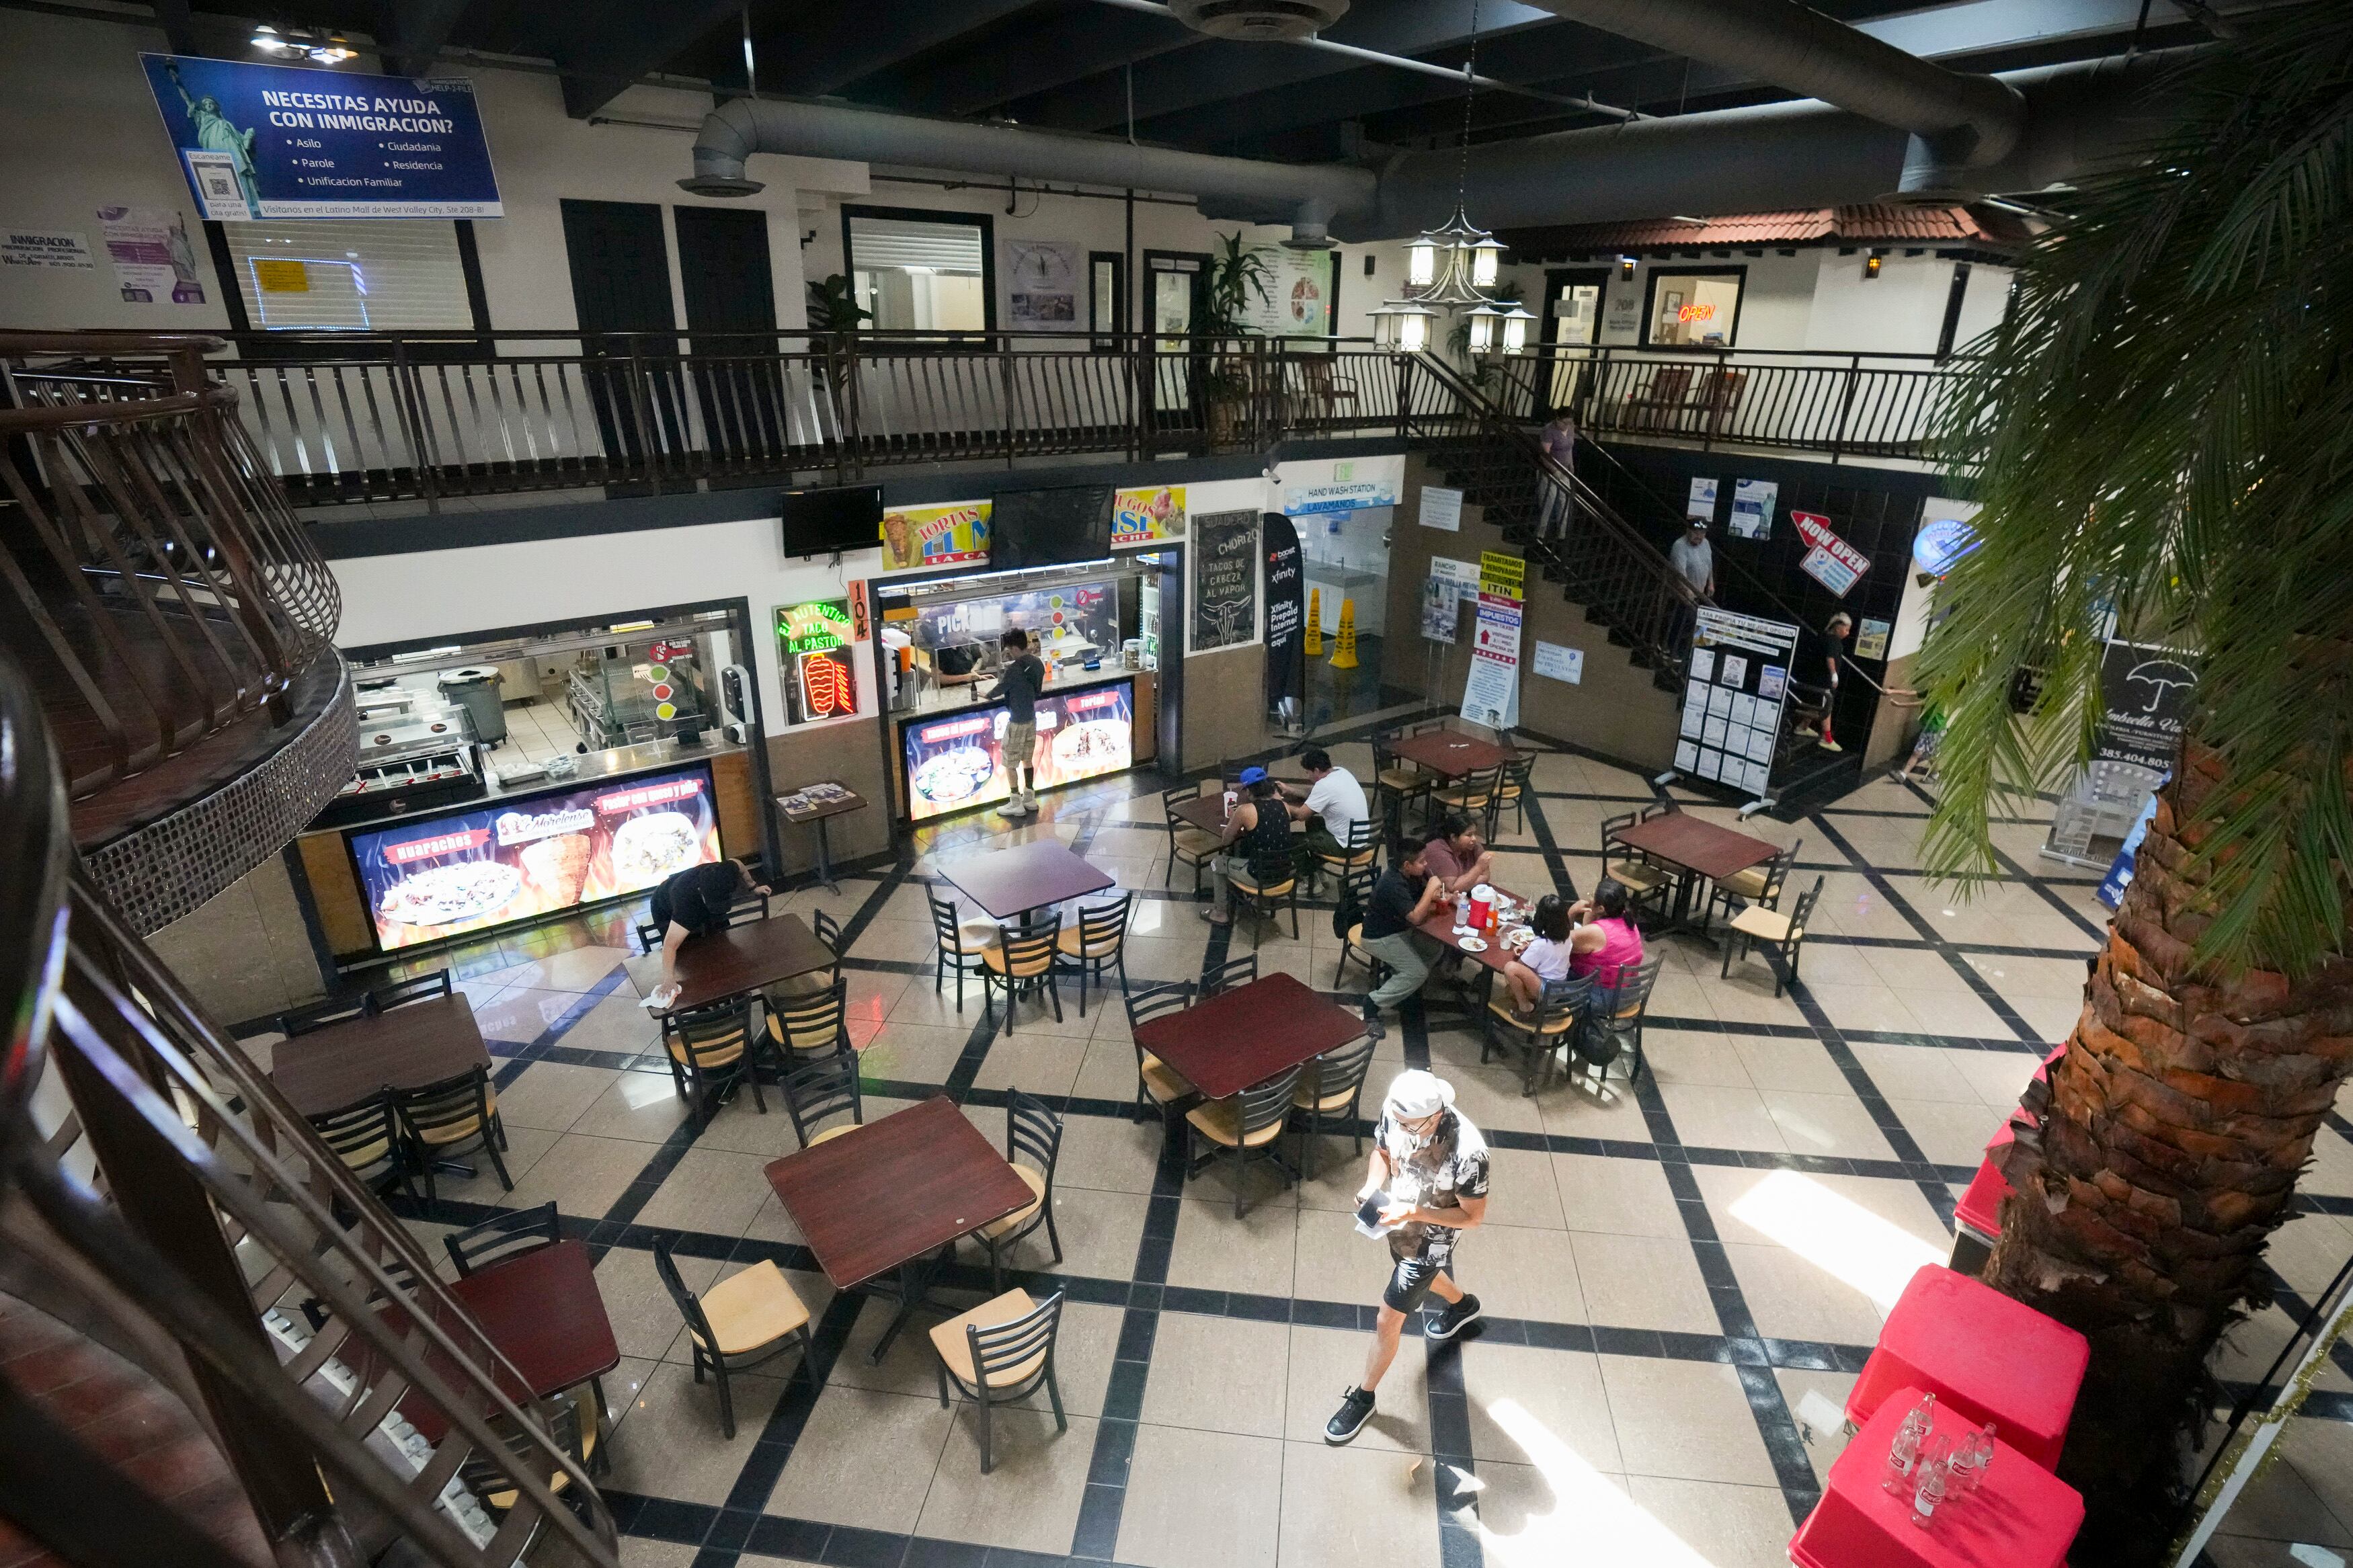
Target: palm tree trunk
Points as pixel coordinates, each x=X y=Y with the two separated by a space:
x=2172 y=1132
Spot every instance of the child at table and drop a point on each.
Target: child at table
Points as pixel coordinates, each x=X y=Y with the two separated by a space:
x=1545 y=961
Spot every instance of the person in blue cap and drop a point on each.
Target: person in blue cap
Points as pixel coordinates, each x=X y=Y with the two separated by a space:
x=1258 y=833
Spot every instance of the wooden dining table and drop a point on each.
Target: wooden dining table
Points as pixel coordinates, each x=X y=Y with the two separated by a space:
x=409 y=1047
x=1224 y=1044
x=543 y=1312
x=720 y=965
x=892 y=1195
x=1697 y=847
x=1449 y=753
x=1012 y=882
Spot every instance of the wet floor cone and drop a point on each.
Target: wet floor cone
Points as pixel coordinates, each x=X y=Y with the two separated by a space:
x=1344 y=647
x=1314 y=623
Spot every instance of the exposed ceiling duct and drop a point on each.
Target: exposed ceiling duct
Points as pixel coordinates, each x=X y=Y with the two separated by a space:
x=1772 y=156
x=1956 y=120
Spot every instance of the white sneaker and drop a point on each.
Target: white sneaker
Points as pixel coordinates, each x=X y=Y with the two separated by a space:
x=1011 y=809
x=1028 y=804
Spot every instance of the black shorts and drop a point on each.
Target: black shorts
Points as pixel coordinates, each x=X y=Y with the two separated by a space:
x=1409 y=1277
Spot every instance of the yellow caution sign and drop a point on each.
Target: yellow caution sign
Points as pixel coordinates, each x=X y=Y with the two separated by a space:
x=1314 y=623
x=1344 y=647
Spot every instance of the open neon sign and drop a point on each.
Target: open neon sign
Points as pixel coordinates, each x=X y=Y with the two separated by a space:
x=1700 y=312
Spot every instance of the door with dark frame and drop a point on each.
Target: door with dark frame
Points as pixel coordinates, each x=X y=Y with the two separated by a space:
x=620 y=288
x=1570 y=328
x=731 y=317
x=1177 y=305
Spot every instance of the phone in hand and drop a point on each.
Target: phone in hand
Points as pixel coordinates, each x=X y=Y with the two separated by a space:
x=1368 y=1213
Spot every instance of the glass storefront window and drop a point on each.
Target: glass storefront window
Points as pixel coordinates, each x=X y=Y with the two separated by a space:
x=1694 y=309
x=920 y=274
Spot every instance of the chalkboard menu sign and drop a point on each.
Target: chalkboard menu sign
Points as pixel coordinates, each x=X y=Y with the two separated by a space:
x=1225 y=580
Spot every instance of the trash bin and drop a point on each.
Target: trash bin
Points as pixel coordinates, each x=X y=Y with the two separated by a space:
x=476 y=691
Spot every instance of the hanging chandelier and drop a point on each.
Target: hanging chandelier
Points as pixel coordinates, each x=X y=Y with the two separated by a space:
x=1453 y=266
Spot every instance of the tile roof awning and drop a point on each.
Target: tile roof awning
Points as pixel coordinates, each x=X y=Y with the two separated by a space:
x=1948 y=228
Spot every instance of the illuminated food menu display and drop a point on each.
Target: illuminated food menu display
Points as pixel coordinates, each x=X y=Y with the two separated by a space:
x=958 y=762
x=813 y=643
x=533 y=855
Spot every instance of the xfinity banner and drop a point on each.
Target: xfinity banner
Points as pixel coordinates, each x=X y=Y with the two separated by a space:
x=1286 y=615
x=266 y=141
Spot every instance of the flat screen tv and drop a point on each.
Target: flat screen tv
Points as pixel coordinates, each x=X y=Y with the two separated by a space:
x=1049 y=527
x=841 y=517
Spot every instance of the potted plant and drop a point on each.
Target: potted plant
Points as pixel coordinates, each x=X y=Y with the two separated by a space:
x=1236 y=273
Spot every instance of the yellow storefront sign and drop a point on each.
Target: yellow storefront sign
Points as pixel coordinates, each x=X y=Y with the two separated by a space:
x=932 y=538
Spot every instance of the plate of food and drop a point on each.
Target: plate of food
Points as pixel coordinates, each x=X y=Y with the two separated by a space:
x=1517 y=938
x=953 y=777
x=450 y=895
x=648 y=848
x=1472 y=943
x=1094 y=746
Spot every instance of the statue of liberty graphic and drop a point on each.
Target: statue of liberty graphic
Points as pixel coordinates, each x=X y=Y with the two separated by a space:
x=216 y=134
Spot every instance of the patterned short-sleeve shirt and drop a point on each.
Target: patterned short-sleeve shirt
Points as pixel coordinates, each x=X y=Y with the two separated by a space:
x=1438 y=1175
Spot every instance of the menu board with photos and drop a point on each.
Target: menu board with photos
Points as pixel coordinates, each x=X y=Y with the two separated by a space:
x=1734 y=692
x=1225 y=580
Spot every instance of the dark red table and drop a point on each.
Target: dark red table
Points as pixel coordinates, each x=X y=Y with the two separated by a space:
x=889 y=1194
x=1248 y=1035
x=541 y=1309
x=407 y=1047
x=725 y=963
x=2021 y=1516
x=1680 y=839
x=1009 y=882
x=1208 y=813
x=1988 y=1357
x=1450 y=753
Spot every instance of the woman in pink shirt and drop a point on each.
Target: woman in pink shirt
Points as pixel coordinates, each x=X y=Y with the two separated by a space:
x=1606 y=939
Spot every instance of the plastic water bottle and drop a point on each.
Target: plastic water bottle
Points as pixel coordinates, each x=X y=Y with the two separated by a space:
x=1979 y=1455
x=1935 y=1480
x=1903 y=1453
x=1462 y=910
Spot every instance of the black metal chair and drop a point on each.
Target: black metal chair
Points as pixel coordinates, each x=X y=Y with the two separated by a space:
x=744 y=1319
x=1332 y=1087
x=1001 y=1350
x=1271 y=882
x=1476 y=797
x=1759 y=885
x=1033 y=1141
x=1357 y=893
x=1397 y=781
x=1356 y=854
x=816 y=982
x=747 y=908
x=712 y=1049
x=1156 y=1082
x=1621 y=1007
x=492 y=1482
x=802 y=1027
x=442 y=1120
x=1188 y=844
x=1519 y=783
x=1644 y=882
x=1239 y=970
x=1540 y=1034
x=1099 y=941
x=1784 y=935
x=819 y=1092
x=366 y=1136
x=650 y=937
x=963 y=946
x=1024 y=955
x=415 y=988
x=510 y=1233
x=322 y=1014
x=1246 y=1127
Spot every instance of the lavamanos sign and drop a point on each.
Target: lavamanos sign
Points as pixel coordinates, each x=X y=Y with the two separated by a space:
x=266 y=142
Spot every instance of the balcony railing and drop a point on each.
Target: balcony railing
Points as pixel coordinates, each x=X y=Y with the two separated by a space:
x=1845 y=404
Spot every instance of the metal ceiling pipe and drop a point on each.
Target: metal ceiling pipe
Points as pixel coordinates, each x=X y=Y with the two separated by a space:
x=1960 y=121
x=1306 y=194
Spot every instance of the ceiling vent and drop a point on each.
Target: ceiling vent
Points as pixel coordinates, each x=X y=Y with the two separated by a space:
x=1258 y=21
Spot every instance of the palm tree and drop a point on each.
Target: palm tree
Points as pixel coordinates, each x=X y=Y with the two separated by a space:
x=2165 y=422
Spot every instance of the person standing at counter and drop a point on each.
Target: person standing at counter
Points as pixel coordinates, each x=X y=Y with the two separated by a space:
x=1019 y=683
x=695 y=902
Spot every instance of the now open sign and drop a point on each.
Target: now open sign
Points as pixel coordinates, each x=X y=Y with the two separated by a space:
x=1828 y=559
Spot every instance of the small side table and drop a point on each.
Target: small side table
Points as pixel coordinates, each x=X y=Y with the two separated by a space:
x=816 y=804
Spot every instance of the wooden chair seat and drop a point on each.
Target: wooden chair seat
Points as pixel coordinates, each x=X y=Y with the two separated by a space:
x=372 y=1152
x=751 y=1309
x=1220 y=1122
x=505 y=1501
x=1526 y=1025
x=1766 y=925
x=833 y=1133
x=955 y=1350
x=1272 y=890
x=1164 y=1082
x=1029 y=968
x=1193 y=844
x=1363 y=857
x=464 y=1127
x=790 y=1040
x=1748 y=884
x=1037 y=1183
x=1072 y=944
x=1405 y=781
x=1638 y=876
x=1306 y=1097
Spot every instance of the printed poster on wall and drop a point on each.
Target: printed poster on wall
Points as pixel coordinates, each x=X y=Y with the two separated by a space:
x=1491 y=693
x=1702 y=502
x=154 y=261
x=44 y=249
x=1752 y=508
x=2144 y=693
x=1225 y=580
x=1442 y=598
x=1830 y=561
x=933 y=538
x=1042 y=284
x=1555 y=661
x=1441 y=509
x=1143 y=517
x=267 y=141
x=1298 y=289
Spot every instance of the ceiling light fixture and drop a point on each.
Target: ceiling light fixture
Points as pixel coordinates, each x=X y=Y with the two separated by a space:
x=1453 y=266
x=319 y=48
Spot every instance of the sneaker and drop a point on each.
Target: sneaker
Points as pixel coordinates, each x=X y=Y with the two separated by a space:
x=1829 y=746
x=1355 y=1409
x=1011 y=809
x=1374 y=1028
x=1028 y=804
x=1452 y=1319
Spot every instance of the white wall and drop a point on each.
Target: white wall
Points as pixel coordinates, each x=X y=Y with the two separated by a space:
x=1819 y=299
x=1900 y=311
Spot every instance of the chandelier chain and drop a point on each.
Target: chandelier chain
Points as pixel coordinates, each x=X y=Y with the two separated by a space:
x=1469 y=91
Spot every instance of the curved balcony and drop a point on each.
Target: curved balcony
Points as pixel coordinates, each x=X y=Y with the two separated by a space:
x=174 y=622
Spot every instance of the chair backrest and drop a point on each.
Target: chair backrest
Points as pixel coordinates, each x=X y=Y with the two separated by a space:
x=1426 y=727
x=1357 y=888
x=452 y=1103
x=492 y=1481
x=650 y=936
x=1656 y=809
x=814 y=1023
x=1565 y=998
x=1170 y=799
x=829 y=931
x=1668 y=385
x=722 y=1029
x=666 y=1268
x=1230 y=772
x=1627 y=997
x=1233 y=972
x=746 y=909
x=1611 y=826
x=1032 y=1133
x=1358 y=840
x=1029 y=946
x=1804 y=912
x=320 y=1015
x=1521 y=771
x=816 y=1094
x=1149 y=1002
x=508 y=1234
x=1343 y=1071
x=361 y=1134
x=1776 y=872
x=1102 y=927
x=415 y=988
x=1008 y=1348
x=1266 y=1104
x=1274 y=872
x=944 y=924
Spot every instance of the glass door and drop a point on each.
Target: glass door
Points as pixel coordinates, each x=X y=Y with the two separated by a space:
x=1180 y=283
x=1572 y=327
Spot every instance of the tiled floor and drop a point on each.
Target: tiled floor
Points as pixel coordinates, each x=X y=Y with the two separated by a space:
x=1676 y=1279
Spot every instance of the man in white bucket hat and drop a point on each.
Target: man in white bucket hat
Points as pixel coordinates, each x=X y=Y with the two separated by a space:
x=1432 y=1165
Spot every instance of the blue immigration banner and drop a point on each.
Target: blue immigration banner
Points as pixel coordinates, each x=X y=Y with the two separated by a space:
x=264 y=141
